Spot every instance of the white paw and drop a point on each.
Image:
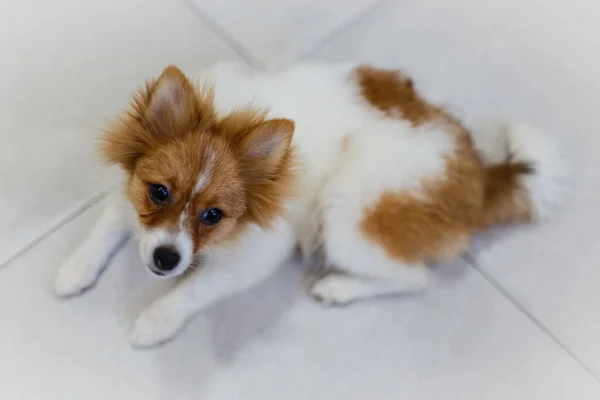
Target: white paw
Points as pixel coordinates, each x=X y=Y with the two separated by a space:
x=334 y=289
x=338 y=289
x=156 y=325
x=74 y=277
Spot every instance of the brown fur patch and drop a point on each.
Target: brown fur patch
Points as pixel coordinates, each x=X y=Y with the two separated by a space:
x=439 y=228
x=267 y=164
x=438 y=224
x=172 y=136
x=468 y=199
x=393 y=93
x=506 y=200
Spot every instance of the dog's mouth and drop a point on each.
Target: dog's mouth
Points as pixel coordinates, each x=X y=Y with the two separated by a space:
x=157 y=273
x=196 y=264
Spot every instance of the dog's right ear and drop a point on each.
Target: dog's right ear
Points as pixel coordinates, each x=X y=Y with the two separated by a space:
x=166 y=108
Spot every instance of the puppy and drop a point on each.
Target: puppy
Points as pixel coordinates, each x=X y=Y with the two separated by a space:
x=347 y=160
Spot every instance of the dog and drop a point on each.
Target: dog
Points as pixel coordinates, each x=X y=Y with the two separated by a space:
x=227 y=177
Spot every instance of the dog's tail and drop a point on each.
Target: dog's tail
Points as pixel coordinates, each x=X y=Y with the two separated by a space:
x=528 y=182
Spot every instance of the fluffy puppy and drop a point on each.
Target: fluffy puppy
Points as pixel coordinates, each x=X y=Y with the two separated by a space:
x=347 y=160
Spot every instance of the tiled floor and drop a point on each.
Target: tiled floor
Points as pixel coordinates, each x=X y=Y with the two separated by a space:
x=519 y=322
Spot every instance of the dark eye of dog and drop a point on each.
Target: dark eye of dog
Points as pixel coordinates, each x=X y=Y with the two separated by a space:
x=211 y=216
x=158 y=193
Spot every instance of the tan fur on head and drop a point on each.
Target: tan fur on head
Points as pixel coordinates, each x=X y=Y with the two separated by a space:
x=241 y=163
x=166 y=109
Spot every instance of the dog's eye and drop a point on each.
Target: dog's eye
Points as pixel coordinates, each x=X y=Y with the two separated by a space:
x=211 y=216
x=158 y=193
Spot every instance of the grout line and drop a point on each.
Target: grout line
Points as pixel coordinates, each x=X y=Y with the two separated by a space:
x=70 y=217
x=340 y=29
x=219 y=30
x=519 y=306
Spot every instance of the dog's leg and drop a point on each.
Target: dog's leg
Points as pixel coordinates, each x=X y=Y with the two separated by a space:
x=226 y=272
x=365 y=270
x=339 y=288
x=362 y=268
x=82 y=268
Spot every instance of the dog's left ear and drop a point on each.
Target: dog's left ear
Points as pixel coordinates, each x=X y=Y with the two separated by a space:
x=267 y=144
x=267 y=167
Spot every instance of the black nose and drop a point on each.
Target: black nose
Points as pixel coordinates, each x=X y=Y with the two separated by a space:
x=165 y=259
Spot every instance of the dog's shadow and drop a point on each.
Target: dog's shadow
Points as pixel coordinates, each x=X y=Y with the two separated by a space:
x=236 y=321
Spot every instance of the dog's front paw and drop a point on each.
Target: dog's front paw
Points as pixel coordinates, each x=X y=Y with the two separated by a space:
x=156 y=325
x=334 y=290
x=74 y=277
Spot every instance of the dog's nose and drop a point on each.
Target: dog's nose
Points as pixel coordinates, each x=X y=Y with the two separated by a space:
x=165 y=258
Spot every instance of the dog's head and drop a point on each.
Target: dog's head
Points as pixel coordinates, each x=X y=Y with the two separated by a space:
x=197 y=179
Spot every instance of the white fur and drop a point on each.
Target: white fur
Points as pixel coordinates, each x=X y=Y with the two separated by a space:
x=81 y=269
x=349 y=154
x=546 y=187
x=204 y=177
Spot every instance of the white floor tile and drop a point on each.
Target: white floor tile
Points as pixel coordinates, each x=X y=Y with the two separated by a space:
x=530 y=60
x=459 y=340
x=552 y=269
x=67 y=68
x=275 y=31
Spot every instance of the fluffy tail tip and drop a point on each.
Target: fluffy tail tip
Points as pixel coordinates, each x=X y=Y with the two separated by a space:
x=547 y=184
